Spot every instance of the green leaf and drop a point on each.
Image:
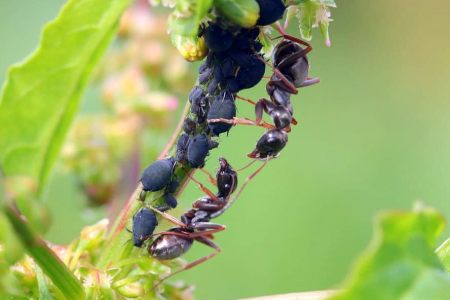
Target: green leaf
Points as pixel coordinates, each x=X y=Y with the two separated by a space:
x=330 y=3
x=400 y=263
x=443 y=252
x=52 y=266
x=306 y=15
x=187 y=16
x=310 y=14
x=244 y=13
x=42 y=95
x=44 y=293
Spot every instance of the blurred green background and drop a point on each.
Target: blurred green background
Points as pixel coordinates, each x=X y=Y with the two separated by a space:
x=372 y=136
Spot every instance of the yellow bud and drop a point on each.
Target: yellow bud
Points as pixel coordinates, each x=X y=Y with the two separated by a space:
x=192 y=49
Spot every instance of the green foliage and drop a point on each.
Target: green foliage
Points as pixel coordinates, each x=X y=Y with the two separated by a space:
x=188 y=14
x=400 y=262
x=53 y=267
x=310 y=14
x=443 y=252
x=186 y=18
x=244 y=13
x=42 y=95
x=44 y=293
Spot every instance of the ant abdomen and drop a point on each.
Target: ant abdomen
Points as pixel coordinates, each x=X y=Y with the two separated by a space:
x=166 y=247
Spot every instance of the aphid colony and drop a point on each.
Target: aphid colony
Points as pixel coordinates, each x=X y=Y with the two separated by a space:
x=234 y=63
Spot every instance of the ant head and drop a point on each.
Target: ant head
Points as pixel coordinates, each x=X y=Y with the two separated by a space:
x=226 y=178
x=223 y=163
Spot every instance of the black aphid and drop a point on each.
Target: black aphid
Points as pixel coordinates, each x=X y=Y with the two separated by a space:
x=198 y=149
x=222 y=108
x=144 y=223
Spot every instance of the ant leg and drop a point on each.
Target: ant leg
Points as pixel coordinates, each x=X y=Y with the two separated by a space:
x=310 y=81
x=211 y=179
x=247 y=180
x=297 y=40
x=147 y=237
x=243 y=121
x=206 y=229
x=289 y=84
x=207 y=206
x=245 y=99
x=294 y=121
x=204 y=241
x=202 y=187
x=246 y=166
x=296 y=56
x=166 y=216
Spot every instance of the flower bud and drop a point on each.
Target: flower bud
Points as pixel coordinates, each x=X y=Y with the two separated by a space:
x=191 y=48
x=244 y=13
x=134 y=286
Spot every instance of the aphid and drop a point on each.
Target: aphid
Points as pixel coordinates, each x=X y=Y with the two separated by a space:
x=157 y=176
x=182 y=145
x=270 y=11
x=170 y=189
x=189 y=126
x=195 y=93
x=222 y=108
x=232 y=85
x=144 y=223
x=244 y=40
x=270 y=144
x=198 y=149
x=205 y=76
x=291 y=70
x=212 y=86
x=199 y=107
x=250 y=76
x=202 y=67
x=218 y=39
x=218 y=74
x=228 y=69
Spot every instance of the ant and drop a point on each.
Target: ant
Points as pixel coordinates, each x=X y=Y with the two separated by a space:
x=291 y=70
x=195 y=224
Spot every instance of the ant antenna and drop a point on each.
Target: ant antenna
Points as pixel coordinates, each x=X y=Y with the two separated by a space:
x=248 y=165
x=202 y=187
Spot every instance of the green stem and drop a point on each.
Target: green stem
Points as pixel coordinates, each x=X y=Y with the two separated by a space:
x=47 y=260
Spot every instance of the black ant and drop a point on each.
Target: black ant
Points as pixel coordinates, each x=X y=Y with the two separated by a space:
x=291 y=70
x=195 y=224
